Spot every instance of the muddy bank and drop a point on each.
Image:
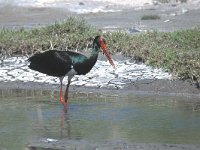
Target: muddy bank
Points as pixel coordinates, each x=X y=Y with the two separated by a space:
x=141 y=87
x=148 y=86
x=43 y=144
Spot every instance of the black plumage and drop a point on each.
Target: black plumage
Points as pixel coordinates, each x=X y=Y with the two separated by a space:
x=53 y=63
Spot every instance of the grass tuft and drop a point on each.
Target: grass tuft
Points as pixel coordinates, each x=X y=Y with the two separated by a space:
x=176 y=52
x=73 y=33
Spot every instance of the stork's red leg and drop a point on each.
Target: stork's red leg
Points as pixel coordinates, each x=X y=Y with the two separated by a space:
x=61 y=95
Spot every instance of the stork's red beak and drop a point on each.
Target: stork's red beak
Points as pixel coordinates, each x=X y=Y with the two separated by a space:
x=105 y=51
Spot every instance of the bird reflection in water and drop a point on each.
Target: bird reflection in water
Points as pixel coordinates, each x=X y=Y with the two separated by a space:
x=65 y=124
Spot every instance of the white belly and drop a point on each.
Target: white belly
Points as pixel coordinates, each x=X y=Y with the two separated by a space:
x=71 y=73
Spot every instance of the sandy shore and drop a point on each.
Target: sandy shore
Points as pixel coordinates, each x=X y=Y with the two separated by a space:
x=172 y=17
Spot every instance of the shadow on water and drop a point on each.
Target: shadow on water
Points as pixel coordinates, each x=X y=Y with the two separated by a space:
x=33 y=119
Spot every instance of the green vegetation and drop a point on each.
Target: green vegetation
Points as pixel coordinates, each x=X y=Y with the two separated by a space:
x=70 y=34
x=168 y=1
x=177 y=52
x=150 y=17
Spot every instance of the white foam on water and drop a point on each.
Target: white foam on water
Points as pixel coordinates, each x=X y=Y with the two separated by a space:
x=80 y=7
x=89 y=6
x=53 y=3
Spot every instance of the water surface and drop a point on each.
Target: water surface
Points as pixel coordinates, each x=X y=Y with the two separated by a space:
x=30 y=114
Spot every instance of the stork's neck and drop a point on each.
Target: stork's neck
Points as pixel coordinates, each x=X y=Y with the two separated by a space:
x=95 y=50
x=88 y=62
x=94 y=54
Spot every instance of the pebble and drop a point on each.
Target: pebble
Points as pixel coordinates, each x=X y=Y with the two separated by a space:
x=102 y=74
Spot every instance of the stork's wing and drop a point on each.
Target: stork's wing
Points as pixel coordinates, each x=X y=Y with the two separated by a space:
x=53 y=63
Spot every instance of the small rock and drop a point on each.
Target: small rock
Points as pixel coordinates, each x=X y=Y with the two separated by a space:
x=49 y=140
x=81 y=3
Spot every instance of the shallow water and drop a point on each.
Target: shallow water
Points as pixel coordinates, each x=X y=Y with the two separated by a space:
x=27 y=115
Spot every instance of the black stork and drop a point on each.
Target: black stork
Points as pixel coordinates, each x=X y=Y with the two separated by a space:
x=68 y=63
